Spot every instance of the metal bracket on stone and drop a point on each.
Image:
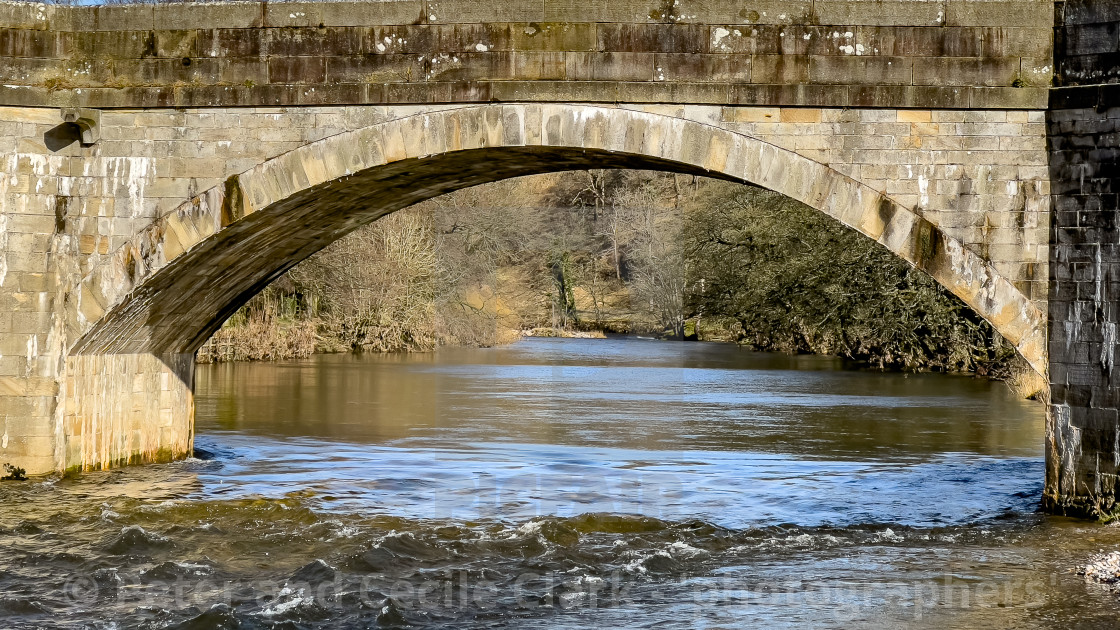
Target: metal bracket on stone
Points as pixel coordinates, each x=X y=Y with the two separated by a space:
x=88 y=121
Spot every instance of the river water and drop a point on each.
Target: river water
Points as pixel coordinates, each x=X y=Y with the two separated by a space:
x=565 y=484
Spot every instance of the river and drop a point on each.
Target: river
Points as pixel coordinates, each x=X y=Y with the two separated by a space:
x=565 y=484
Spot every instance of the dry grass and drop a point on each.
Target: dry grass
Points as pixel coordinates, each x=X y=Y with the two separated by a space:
x=261 y=339
x=270 y=328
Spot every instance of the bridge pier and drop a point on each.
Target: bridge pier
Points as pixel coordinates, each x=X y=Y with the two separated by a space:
x=1083 y=427
x=102 y=411
x=127 y=409
x=1083 y=129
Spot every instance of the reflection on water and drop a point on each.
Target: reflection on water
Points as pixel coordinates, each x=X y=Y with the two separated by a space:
x=565 y=483
x=621 y=394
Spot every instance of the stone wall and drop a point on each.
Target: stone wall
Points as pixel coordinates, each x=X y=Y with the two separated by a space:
x=968 y=54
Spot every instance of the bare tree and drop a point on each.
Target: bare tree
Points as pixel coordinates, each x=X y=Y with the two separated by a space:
x=379 y=284
x=650 y=230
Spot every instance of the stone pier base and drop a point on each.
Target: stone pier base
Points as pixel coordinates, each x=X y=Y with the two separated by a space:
x=27 y=428
x=126 y=409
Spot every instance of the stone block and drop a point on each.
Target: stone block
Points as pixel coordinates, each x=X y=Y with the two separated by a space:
x=733 y=39
x=13 y=365
x=232 y=42
x=757 y=12
x=74 y=18
x=1021 y=143
x=861 y=70
x=750 y=114
x=780 y=95
x=702 y=68
x=804 y=145
x=26 y=447
x=383 y=12
x=126 y=17
x=779 y=69
x=553 y=37
x=26 y=261
x=615 y=67
x=28 y=15
x=914 y=116
x=910 y=96
x=799 y=115
x=173 y=187
x=1017 y=42
x=29 y=243
x=1091 y=39
x=669 y=38
x=245 y=71
x=316 y=42
x=1005 y=13
x=35 y=43
x=966 y=71
x=463 y=38
x=1007 y=98
x=177 y=44
x=1076 y=13
x=472 y=12
x=936 y=42
x=881 y=12
x=233 y=15
x=171 y=71
x=297 y=70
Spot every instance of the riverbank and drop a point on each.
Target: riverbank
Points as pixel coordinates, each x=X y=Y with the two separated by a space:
x=272 y=340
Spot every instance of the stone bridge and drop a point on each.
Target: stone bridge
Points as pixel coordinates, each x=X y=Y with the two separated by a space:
x=163 y=163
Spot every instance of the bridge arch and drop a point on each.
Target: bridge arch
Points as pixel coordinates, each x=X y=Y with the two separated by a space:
x=171 y=286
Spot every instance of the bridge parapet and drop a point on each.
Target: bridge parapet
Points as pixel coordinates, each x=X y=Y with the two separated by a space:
x=963 y=54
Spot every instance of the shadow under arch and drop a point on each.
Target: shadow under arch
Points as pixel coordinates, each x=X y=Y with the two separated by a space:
x=169 y=288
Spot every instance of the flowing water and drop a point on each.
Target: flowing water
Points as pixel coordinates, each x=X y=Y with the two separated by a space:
x=565 y=484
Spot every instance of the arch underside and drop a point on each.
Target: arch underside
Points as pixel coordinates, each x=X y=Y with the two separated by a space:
x=179 y=280
x=178 y=309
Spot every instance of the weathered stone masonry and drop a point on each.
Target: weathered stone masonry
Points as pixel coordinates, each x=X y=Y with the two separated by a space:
x=966 y=54
x=1083 y=440
x=235 y=140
